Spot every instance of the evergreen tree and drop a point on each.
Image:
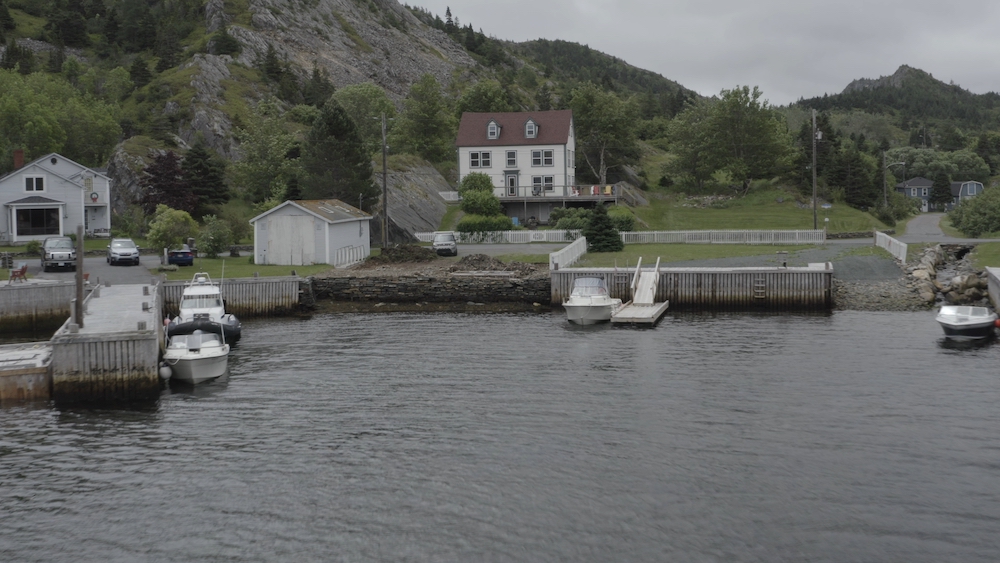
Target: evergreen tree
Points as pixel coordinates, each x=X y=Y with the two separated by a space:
x=318 y=90
x=602 y=236
x=334 y=160
x=270 y=65
x=854 y=172
x=940 y=191
x=164 y=184
x=111 y=27
x=225 y=44
x=484 y=96
x=426 y=128
x=449 y=24
x=168 y=48
x=18 y=57
x=366 y=103
x=206 y=175
x=139 y=72
x=67 y=24
x=6 y=20
x=56 y=60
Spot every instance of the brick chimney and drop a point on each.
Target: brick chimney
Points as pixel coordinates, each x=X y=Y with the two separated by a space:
x=18 y=158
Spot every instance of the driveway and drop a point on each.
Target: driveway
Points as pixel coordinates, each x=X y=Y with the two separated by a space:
x=99 y=269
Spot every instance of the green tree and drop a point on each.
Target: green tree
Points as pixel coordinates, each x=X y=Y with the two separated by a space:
x=318 y=90
x=334 y=159
x=117 y=85
x=749 y=138
x=602 y=236
x=164 y=184
x=139 y=72
x=475 y=182
x=988 y=148
x=485 y=96
x=267 y=162
x=605 y=130
x=978 y=215
x=224 y=44
x=855 y=173
x=215 y=236
x=477 y=202
x=688 y=135
x=17 y=57
x=206 y=174
x=170 y=228
x=6 y=20
x=427 y=127
x=940 y=191
x=366 y=103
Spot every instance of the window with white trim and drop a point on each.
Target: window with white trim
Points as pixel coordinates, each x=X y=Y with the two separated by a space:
x=511 y=159
x=542 y=182
x=530 y=130
x=479 y=159
x=541 y=157
x=923 y=191
x=34 y=184
x=493 y=130
x=913 y=192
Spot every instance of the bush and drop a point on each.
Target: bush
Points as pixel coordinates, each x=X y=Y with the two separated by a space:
x=480 y=223
x=170 y=228
x=475 y=182
x=979 y=215
x=215 y=236
x=622 y=218
x=481 y=203
x=33 y=247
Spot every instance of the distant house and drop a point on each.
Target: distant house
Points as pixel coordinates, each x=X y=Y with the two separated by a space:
x=298 y=233
x=51 y=196
x=530 y=156
x=920 y=188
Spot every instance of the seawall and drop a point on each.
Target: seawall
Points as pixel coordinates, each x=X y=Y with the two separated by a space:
x=432 y=289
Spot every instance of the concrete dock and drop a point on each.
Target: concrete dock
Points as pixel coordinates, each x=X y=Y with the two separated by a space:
x=24 y=372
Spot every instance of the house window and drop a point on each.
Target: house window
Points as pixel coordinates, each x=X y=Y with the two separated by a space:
x=511 y=159
x=34 y=222
x=34 y=184
x=923 y=192
x=913 y=192
x=538 y=183
x=541 y=157
x=479 y=159
x=493 y=130
x=530 y=130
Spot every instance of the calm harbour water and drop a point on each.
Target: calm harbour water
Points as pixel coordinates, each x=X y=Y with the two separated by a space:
x=518 y=437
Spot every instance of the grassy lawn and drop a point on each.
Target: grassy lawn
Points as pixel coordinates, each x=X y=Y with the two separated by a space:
x=765 y=210
x=986 y=254
x=677 y=253
x=451 y=217
x=239 y=268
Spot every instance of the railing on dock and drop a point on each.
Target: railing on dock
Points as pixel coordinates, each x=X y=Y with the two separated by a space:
x=349 y=255
x=245 y=297
x=896 y=248
x=719 y=289
x=568 y=256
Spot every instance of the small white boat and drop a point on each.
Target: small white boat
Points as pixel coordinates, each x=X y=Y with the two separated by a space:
x=964 y=323
x=201 y=307
x=196 y=357
x=590 y=303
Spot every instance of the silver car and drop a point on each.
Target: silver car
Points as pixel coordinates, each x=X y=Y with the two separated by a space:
x=58 y=252
x=123 y=250
x=445 y=244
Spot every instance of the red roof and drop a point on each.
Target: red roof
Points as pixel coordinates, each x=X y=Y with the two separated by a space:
x=553 y=128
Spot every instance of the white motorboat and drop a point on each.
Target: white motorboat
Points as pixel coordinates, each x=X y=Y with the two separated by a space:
x=201 y=307
x=590 y=303
x=965 y=323
x=196 y=357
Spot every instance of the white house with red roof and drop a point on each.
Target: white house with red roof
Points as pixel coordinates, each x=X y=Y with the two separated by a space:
x=529 y=155
x=51 y=196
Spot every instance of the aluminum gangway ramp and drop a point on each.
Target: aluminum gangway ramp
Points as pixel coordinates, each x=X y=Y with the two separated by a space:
x=642 y=309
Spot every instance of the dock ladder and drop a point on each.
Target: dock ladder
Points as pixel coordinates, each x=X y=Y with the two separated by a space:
x=643 y=308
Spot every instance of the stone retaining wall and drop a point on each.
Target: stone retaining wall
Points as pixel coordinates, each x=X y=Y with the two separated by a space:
x=412 y=289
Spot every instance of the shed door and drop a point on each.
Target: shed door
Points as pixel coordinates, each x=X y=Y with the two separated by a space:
x=290 y=241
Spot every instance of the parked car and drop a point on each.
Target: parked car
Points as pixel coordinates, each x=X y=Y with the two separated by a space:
x=123 y=250
x=181 y=257
x=445 y=244
x=58 y=252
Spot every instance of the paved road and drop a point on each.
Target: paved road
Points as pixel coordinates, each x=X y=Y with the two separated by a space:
x=99 y=269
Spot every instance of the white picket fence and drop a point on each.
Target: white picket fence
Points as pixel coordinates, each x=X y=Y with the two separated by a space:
x=349 y=255
x=510 y=237
x=895 y=247
x=724 y=237
x=568 y=256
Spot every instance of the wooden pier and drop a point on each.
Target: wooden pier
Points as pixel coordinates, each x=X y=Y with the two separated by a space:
x=244 y=297
x=27 y=307
x=808 y=288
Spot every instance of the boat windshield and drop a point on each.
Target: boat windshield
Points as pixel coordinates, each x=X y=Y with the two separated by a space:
x=201 y=302
x=588 y=287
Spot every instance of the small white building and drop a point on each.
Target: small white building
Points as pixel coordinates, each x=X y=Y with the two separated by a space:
x=50 y=196
x=298 y=233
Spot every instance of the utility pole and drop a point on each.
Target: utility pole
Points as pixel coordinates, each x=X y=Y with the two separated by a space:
x=815 y=223
x=385 y=189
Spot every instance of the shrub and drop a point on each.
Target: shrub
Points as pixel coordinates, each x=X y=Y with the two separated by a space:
x=622 y=218
x=215 y=236
x=475 y=182
x=33 y=247
x=481 y=203
x=170 y=228
x=480 y=223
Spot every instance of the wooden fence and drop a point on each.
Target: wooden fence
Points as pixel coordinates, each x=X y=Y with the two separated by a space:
x=508 y=237
x=896 y=248
x=724 y=237
x=568 y=256
x=244 y=297
x=349 y=255
x=719 y=289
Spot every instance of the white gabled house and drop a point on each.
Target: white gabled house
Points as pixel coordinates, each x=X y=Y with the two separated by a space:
x=529 y=155
x=51 y=196
x=298 y=233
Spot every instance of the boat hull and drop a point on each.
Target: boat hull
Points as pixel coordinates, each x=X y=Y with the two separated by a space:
x=968 y=331
x=196 y=368
x=589 y=314
x=966 y=323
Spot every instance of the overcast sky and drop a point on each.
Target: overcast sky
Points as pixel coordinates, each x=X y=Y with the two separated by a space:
x=791 y=49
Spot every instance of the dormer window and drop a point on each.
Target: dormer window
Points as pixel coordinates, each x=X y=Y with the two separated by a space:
x=530 y=130
x=493 y=130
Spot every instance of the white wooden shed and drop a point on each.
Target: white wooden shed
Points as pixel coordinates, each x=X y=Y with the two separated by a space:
x=298 y=233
